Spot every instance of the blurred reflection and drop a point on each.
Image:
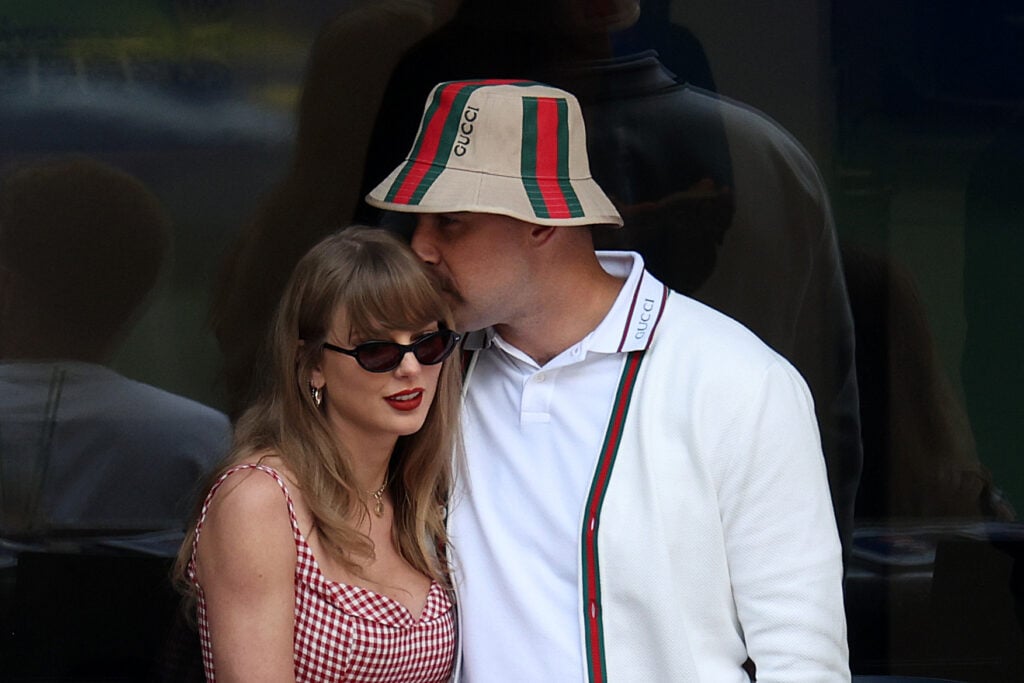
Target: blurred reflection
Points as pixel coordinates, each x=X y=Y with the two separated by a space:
x=993 y=372
x=183 y=94
x=920 y=461
x=723 y=204
x=936 y=550
x=678 y=49
x=348 y=67
x=85 y=453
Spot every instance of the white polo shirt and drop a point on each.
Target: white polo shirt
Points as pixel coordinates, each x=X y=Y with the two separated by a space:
x=533 y=435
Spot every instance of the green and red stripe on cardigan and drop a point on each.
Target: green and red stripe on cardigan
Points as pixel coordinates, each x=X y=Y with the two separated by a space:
x=593 y=618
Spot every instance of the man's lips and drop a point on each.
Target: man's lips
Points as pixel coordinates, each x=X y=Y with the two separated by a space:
x=409 y=399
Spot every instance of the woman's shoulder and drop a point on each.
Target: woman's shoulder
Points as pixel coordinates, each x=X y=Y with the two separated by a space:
x=250 y=466
x=254 y=489
x=246 y=499
x=248 y=523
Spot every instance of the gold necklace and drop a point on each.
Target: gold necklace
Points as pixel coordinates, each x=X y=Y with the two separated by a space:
x=378 y=497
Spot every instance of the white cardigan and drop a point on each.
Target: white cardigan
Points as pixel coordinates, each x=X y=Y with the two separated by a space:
x=715 y=538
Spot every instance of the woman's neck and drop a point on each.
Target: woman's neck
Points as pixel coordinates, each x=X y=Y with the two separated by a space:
x=370 y=455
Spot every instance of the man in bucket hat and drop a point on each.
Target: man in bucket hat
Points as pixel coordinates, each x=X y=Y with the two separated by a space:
x=645 y=495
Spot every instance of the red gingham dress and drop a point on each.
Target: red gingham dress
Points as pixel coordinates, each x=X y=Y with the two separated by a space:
x=348 y=633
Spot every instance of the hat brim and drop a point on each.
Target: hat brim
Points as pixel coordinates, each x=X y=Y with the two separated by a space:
x=462 y=190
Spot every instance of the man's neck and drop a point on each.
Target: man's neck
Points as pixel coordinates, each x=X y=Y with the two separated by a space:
x=568 y=312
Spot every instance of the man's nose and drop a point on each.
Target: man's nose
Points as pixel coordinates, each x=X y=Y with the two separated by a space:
x=423 y=239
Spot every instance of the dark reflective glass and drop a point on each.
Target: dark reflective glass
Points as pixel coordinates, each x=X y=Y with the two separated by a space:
x=385 y=356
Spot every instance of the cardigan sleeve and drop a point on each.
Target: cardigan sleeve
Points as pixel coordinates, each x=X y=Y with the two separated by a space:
x=781 y=543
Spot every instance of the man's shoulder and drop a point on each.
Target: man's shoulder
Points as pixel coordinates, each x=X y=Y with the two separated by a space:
x=709 y=364
x=89 y=391
x=143 y=413
x=739 y=117
x=153 y=396
x=694 y=334
x=753 y=134
x=695 y=320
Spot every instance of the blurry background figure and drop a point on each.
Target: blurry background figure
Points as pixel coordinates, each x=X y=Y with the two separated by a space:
x=723 y=204
x=936 y=549
x=86 y=453
x=348 y=67
x=678 y=49
x=993 y=368
x=97 y=471
x=920 y=458
x=194 y=98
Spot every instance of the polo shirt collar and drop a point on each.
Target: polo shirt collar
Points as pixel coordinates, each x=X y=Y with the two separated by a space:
x=629 y=324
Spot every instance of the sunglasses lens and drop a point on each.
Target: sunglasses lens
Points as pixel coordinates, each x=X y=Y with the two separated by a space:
x=434 y=348
x=379 y=356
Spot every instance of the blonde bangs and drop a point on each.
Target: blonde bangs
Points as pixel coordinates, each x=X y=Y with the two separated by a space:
x=386 y=294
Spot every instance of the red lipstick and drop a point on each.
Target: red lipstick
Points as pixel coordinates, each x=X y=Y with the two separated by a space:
x=410 y=399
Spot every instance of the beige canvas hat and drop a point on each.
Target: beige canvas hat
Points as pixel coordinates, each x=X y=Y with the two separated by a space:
x=515 y=148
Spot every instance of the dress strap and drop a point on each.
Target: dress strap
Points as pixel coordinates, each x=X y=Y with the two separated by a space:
x=296 y=533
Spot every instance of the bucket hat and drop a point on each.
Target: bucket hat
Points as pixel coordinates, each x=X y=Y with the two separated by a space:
x=515 y=148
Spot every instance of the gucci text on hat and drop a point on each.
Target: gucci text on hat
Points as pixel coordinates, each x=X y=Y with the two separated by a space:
x=515 y=148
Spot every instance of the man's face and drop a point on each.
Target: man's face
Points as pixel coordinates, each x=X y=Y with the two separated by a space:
x=479 y=259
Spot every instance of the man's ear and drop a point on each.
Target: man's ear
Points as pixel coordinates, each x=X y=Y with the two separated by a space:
x=541 y=234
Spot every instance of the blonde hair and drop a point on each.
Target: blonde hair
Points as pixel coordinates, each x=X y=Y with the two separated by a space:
x=381 y=286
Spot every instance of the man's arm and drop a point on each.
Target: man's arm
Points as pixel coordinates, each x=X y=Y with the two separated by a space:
x=782 y=547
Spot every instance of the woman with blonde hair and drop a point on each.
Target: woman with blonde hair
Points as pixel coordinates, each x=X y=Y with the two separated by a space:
x=318 y=554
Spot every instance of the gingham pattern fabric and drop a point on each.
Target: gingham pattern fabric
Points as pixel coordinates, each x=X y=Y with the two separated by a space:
x=348 y=633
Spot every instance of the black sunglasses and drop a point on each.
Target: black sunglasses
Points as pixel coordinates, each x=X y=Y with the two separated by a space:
x=385 y=356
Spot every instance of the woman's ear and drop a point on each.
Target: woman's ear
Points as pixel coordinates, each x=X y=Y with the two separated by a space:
x=316 y=374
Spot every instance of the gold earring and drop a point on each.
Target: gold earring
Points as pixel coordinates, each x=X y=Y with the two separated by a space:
x=317 y=394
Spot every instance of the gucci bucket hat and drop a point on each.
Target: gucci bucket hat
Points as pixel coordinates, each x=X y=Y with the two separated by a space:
x=515 y=148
